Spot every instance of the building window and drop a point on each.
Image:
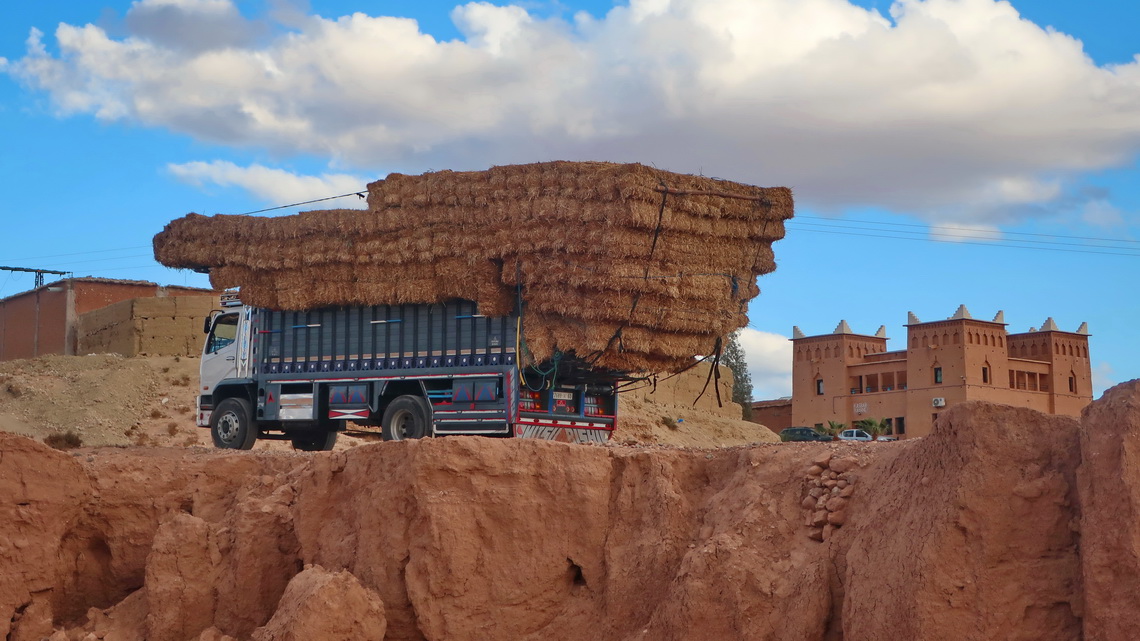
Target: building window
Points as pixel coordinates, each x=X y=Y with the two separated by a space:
x=900 y=425
x=890 y=425
x=938 y=375
x=986 y=375
x=819 y=387
x=1073 y=384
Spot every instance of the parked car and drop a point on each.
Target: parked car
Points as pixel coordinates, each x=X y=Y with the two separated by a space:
x=888 y=437
x=854 y=435
x=802 y=434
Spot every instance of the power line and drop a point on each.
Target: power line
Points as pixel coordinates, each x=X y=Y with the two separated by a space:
x=993 y=236
x=960 y=241
x=94 y=251
x=360 y=194
x=973 y=229
x=103 y=260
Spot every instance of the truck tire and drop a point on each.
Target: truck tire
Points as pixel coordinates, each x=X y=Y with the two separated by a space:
x=406 y=417
x=316 y=441
x=231 y=425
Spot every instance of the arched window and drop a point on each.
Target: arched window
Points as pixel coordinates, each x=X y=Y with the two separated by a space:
x=957 y=339
x=934 y=340
x=985 y=339
x=827 y=352
x=1033 y=350
x=817 y=357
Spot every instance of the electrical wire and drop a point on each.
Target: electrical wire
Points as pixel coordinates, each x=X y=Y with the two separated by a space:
x=94 y=251
x=970 y=229
x=959 y=240
x=359 y=194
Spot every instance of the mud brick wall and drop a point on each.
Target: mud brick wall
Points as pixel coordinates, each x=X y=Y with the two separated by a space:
x=169 y=326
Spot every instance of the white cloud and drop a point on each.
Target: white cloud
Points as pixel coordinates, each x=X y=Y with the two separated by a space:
x=1103 y=377
x=958 y=110
x=274 y=186
x=769 y=358
x=953 y=232
x=1101 y=213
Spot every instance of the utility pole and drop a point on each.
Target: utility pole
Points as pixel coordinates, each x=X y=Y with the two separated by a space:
x=38 y=272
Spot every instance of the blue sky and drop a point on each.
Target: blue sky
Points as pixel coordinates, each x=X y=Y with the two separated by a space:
x=942 y=152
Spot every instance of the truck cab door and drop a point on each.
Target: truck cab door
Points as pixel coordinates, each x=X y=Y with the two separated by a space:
x=219 y=356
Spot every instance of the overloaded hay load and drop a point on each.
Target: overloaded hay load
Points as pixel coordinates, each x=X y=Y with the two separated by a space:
x=625 y=266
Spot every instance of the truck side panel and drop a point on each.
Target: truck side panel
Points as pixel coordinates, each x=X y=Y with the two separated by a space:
x=349 y=363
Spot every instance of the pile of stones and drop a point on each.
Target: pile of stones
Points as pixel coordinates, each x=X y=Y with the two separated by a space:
x=829 y=485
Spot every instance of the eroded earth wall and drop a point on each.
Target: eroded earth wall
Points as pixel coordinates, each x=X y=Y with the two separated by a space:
x=1004 y=524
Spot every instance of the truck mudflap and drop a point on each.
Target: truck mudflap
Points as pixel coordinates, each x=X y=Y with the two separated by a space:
x=563 y=431
x=202 y=411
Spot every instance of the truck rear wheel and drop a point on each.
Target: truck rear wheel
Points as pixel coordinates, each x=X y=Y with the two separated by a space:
x=406 y=417
x=231 y=425
x=316 y=441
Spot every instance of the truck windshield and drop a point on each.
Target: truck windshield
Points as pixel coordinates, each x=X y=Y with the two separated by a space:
x=224 y=332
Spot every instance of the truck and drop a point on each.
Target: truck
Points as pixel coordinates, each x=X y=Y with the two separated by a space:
x=413 y=370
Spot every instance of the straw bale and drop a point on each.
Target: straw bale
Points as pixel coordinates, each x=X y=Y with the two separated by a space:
x=575 y=181
x=638 y=268
x=646 y=310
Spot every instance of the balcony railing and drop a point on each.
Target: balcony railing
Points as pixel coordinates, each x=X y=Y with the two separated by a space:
x=872 y=390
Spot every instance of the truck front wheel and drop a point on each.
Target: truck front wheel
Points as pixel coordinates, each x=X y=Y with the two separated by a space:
x=406 y=417
x=231 y=425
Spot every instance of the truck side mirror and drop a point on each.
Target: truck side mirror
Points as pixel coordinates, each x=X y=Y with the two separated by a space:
x=208 y=322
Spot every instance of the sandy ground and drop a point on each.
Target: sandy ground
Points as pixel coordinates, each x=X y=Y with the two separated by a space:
x=108 y=400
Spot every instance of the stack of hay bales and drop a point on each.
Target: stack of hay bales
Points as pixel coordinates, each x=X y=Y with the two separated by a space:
x=625 y=266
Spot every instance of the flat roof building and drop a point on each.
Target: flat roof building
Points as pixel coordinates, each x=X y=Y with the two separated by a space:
x=47 y=319
x=846 y=377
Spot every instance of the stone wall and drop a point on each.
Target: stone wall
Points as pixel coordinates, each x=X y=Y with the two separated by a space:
x=169 y=326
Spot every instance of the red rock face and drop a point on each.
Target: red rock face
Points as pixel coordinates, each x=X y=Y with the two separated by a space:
x=980 y=531
x=1110 y=514
x=319 y=604
x=969 y=533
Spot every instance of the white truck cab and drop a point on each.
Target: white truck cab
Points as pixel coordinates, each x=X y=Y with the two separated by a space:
x=225 y=356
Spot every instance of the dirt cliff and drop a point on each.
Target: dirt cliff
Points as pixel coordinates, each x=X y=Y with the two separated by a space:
x=1004 y=524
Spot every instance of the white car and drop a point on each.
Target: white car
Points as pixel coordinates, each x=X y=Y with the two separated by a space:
x=854 y=435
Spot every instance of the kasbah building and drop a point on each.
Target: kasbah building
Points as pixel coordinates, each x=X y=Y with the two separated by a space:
x=846 y=377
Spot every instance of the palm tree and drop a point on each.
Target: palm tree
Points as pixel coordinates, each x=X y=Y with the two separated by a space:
x=834 y=428
x=873 y=426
